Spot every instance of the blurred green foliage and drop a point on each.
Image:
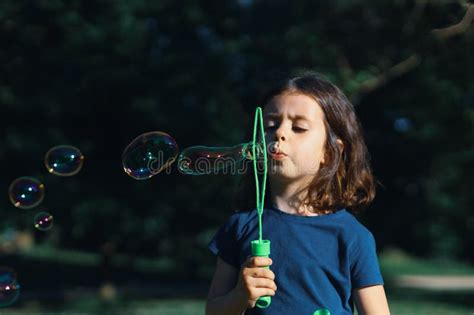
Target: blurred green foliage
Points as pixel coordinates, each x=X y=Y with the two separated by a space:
x=95 y=74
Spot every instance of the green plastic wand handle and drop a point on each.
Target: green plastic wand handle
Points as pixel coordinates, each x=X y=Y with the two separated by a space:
x=261 y=248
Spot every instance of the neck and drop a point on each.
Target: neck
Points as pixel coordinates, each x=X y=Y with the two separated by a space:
x=288 y=197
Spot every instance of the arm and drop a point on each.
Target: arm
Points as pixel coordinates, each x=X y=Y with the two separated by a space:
x=371 y=300
x=232 y=292
x=222 y=298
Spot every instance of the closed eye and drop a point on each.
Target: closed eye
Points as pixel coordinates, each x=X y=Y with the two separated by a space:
x=299 y=129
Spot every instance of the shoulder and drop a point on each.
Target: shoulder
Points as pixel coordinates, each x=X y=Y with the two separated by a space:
x=238 y=221
x=356 y=233
x=242 y=217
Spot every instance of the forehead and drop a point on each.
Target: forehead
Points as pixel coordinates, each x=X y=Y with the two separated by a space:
x=293 y=105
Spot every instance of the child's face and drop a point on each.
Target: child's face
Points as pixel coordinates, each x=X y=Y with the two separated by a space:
x=294 y=126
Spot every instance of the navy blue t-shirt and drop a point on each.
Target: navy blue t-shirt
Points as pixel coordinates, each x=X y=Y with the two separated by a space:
x=317 y=260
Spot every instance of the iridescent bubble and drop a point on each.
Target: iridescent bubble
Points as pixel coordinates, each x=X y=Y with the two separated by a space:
x=201 y=160
x=43 y=221
x=149 y=154
x=9 y=287
x=7 y=274
x=64 y=160
x=26 y=192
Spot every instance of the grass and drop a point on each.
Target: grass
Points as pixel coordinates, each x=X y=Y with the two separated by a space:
x=416 y=305
x=93 y=305
x=426 y=305
x=396 y=263
x=393 y=264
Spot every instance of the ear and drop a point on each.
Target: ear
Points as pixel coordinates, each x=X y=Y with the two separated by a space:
x=340 y=144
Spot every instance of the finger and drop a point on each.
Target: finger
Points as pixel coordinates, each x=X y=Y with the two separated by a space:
x=259 y=292
x=259 y=272
x=262 y=283
x=256 y=261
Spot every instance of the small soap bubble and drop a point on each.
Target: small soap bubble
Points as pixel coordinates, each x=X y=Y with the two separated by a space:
x=64 y=160
x=7 y=274
x=26 y=192
x=43 y=221
x=202 y=160
x=402 y=124
x=149 y=154
x=9 y=287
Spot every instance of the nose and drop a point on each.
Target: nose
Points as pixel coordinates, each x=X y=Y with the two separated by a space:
x=280 y=134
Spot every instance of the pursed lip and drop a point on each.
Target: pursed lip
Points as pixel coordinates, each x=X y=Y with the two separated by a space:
x=279 y=155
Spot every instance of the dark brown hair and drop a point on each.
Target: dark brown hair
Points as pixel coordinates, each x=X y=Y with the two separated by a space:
x=345 y=180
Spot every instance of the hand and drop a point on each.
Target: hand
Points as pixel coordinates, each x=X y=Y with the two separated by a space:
x=255 y=281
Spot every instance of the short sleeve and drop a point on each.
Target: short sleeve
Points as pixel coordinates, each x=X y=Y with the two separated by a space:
x=365 y=269
x=224 y=243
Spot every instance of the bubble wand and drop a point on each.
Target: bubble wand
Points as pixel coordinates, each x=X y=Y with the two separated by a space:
x=260 y=247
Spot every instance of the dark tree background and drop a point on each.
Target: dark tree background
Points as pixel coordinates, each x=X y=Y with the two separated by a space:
x=95 y=74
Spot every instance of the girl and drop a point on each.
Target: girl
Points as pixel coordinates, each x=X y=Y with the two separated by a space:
x=318 y=173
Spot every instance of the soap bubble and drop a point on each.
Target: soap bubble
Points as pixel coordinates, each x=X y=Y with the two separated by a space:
x=26 y=192
x=9 y=287
x=149 y=154
x=64 y=160
x=43 y=221
x=201 y=160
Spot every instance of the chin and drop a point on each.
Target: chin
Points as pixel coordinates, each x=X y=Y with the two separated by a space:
x=281 y=175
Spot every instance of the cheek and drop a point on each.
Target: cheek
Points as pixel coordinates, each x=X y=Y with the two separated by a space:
x=317 y=146
x=316 y=141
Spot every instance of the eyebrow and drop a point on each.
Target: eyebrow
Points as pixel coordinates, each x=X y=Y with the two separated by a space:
x=295 y=117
